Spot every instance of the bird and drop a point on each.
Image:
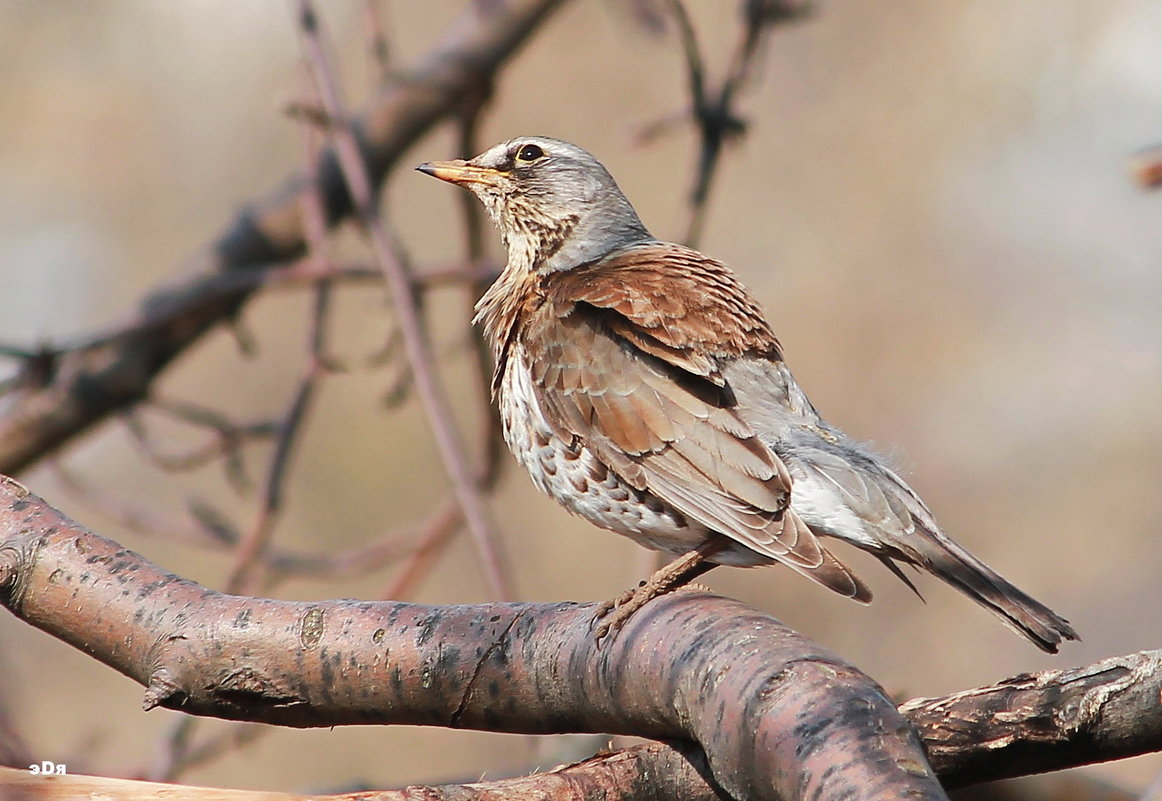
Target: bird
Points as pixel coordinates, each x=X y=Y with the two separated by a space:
x=640 y=384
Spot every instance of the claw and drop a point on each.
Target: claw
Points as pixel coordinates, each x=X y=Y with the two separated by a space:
x=616 y=612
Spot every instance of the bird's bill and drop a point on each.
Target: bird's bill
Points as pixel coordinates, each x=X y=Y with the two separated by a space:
x=461 y=172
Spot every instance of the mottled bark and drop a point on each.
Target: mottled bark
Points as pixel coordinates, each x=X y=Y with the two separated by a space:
x=772 y=712
x=1045 y=721
x=66 y=391
x=654 y=772
x=647 y=773
x=777 y=715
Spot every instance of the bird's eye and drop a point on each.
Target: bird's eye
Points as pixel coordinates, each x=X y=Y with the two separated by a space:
x=529 y=153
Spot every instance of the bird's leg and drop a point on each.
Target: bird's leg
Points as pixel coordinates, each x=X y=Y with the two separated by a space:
x=614 y=613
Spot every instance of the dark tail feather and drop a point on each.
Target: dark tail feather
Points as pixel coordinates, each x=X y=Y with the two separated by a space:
x=900 y=574
x=1022 y=613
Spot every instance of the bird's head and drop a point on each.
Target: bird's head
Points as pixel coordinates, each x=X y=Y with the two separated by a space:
x=556 y=205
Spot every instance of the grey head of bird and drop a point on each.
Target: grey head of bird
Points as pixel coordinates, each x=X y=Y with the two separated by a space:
x=556 y=206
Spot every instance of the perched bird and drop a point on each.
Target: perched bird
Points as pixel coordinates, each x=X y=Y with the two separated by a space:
x=641 y=386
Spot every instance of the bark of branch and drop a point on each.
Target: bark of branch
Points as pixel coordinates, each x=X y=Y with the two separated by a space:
x=608 y=777
x=774 y=712
x=1044 y=721
x=646 y=772
x=777 y=715
x=68 y=391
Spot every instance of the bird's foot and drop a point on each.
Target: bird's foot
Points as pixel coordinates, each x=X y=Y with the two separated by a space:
x=616 y=612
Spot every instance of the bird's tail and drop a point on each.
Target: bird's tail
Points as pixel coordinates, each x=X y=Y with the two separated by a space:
x=1021 y=612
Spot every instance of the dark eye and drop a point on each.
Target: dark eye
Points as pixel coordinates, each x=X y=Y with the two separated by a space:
x=529 y=153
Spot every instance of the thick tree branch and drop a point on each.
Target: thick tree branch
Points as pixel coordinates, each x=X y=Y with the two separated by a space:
x=675 y=772
x=63 y=393
x=1044 y=721
x=693 y=666
x=656 y=771
x=777 y=715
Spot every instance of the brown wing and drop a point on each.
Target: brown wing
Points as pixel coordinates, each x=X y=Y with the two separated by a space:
x=671 y=302
x=625 y=358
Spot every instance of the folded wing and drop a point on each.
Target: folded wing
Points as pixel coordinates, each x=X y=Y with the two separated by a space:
x=628 y=364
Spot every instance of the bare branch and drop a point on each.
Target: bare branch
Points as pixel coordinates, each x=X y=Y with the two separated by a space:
x=207 y=529
x=178 y=752
x=378 y=49
x=65 y=394
x=611 y=777
x=1045 y=721
x=670 y=771
x=775 y=713
x=457 y=463
x=692 y=665
x=226 y=443
x=713 y=109
x=428 y=547
x=172 y=747
x=249 y=564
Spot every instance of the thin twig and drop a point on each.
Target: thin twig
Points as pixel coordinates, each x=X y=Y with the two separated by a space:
x=167 y=762
x=234 y=737
x=227 y=440
x=16 y=352
x=248 y=562
x=34 y=367
x=430 y=544
x=245 y=574
x=457 y=274
x=430 y=390
x=295 y=274
x=178 y=752
x=710 y=139
x=87 y=387
x=492 y=438
x=136 y=517
x=211 y=289
x=377 y=45
x=386 y=549
x=712 y=109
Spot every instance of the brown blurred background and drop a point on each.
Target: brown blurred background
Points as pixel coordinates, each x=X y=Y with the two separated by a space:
x=931 y=201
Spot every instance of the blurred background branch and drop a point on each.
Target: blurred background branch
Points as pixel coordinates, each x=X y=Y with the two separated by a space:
x=91 y=380
x=388 y=254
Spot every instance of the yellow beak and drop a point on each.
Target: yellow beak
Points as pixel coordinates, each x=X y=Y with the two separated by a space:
x=461 y=172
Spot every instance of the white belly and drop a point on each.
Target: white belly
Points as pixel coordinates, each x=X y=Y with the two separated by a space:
x=577 y=479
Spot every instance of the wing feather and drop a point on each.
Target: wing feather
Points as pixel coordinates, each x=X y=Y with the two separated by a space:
x=629 y=355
